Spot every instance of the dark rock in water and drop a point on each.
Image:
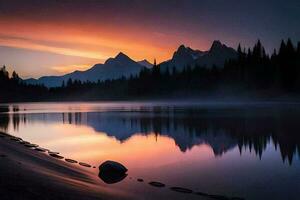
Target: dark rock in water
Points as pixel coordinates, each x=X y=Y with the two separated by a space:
x=56 y=156
x=112 y=167
x=157 y=184
x=182 y=190
x=140 y=180
x=112 y=172
x=23 y=142
x=31 y=145
x=51 y=152
x=84 y=164
x=110 y=178
x=40 y=149
x=71 y=160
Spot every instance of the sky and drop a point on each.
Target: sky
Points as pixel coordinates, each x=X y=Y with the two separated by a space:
x=54 y=37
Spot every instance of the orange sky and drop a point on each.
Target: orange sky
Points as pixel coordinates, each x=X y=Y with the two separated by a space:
x=89 y=42
x=55 y=37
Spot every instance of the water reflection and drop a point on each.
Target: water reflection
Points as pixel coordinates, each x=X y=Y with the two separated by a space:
x=249 y=129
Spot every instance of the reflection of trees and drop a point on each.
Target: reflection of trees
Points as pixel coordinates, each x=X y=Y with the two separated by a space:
x=222 y=130
x=247 y=129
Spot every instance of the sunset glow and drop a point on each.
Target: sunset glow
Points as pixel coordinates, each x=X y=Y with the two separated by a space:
x=93 y=31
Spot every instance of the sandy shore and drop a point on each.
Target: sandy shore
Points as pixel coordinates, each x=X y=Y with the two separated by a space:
x=26 y=173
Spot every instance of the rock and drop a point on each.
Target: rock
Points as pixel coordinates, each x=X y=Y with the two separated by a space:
x=140 y=180
x=182 y=190
x=112 y=172
x=23 y=142
x=112 y=167
x=51 y=152
x=31 y=145
x=56 y=156
x=40 y=149
x=71 y=160
x=157 y=184
x=84 y=164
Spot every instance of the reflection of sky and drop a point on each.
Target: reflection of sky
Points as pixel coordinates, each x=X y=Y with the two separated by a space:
x=160 y=156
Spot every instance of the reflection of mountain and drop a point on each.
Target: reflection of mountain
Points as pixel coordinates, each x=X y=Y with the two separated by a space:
x=222 y=130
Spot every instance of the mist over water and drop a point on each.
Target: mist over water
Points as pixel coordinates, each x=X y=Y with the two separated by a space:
x=208 y=147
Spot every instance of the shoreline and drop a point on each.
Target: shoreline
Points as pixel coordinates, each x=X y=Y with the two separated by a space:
x=32 y=174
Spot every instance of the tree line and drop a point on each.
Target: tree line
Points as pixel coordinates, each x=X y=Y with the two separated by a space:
x=253 y=71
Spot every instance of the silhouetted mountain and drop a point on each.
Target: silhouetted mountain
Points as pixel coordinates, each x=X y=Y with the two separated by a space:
x=113 y=68
x=123 y=66
x=217 y=55
x=185 y=56
x=145 y=63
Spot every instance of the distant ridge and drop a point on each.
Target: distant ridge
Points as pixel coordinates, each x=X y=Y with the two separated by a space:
x=145 y=63
x=123 y=66
x=113 y=68
x=185 y=56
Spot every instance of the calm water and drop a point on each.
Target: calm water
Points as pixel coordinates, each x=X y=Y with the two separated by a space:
x=249 y=151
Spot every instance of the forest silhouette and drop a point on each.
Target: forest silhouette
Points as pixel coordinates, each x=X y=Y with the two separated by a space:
x=254 y=72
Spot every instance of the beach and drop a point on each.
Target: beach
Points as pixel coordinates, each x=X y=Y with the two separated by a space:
x=26 y=173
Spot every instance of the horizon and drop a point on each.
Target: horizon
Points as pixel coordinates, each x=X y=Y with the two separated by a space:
x=54 y=38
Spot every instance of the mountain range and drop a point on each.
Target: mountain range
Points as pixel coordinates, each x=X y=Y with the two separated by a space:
x=123 y=66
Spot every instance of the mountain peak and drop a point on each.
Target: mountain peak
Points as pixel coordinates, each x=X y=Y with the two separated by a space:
x=181 y=47
x=216 y=45
x=121 y=55
x=145 y=63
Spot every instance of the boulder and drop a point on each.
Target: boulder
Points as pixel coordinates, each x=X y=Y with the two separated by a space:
x=112 y=172
x=112 y=167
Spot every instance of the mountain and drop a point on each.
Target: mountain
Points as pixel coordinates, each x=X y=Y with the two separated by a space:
x=145 y=63
x=185 y=56
x=113 y=68
x=182 y=57
x=217 y=55
x=122 y=65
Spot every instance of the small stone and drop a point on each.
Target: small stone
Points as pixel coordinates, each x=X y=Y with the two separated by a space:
x=31 y=145
x=56 y=156
x=40 y=149
x=157 y=184
x=51 y=152
x=71 y=161
x=84 y=164
x=23 y=142
x=182 y=190
x=140 y=180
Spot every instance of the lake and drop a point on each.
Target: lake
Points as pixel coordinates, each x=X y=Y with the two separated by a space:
x=248 y=150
